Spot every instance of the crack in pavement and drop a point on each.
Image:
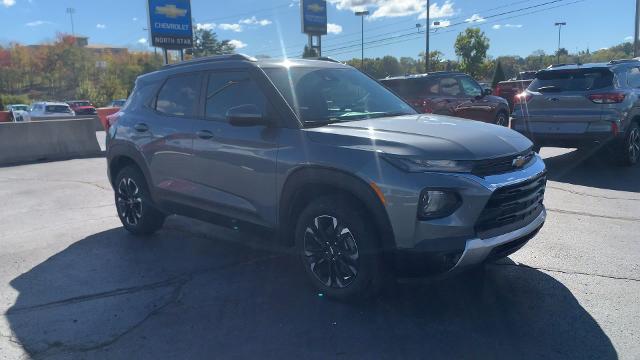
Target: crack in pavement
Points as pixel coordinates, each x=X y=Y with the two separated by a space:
x=590 y=195
x=177 y=282
x=571 y=212
x=5 y=179
x=568 y=272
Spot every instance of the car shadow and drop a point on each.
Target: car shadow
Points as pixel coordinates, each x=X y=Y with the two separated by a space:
x=196 y=291
x=592 y=169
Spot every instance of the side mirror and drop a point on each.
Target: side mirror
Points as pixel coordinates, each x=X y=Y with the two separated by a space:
x=487 y=92
x=245 y=116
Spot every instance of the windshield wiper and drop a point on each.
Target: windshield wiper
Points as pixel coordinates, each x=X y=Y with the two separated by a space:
x=551 y=88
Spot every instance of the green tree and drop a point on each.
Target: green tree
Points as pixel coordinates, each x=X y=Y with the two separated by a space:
x=498 y=75
x=206 y=43
x=309 y=52
x=471 y=46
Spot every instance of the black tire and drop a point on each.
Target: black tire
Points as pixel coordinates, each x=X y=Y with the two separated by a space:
x=502 y=119
x=536 y=148
x=135 y=209
x=339 y=253
x=629 y=150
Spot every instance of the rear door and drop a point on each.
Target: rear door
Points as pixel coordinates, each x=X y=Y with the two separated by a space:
x=560 y=101
x=450 y=96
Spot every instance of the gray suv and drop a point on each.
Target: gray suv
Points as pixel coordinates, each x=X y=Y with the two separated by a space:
x=330 y=162
x=584 y=105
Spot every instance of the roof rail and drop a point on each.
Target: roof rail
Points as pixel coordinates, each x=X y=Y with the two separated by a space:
x=622 y=61
x=552 y=66
x=207 y=59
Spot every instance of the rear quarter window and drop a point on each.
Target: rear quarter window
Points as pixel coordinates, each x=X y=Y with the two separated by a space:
x=572 y=80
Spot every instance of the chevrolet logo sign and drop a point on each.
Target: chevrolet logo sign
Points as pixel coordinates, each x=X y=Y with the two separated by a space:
x=171 y=11
x=520 y=161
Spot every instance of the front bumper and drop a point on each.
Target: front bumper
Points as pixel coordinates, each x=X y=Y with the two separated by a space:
x=477 y=250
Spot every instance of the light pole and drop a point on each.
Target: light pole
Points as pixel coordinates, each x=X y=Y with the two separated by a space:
x=559 y=25
x=426 y=54
x=362 y=14
x=72 y=11
x=636 y=38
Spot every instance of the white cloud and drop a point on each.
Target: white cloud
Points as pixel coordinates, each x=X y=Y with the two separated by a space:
x=398 y=8
x=628 y=38
x=435 y=12
x=507 y=26
x=38 y=23
x=475 y=18
x=205 y=26
x=254 y=21
x=238 y=44
x=142 y=41
x=443 y=24
x=230 y=27
x=101 y=26
x=8 y=3
x=334 y=28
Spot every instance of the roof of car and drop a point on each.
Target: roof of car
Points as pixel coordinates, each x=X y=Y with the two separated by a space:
x=239 y=61
x=51 y=103
x=420 y=76
x=610 y=64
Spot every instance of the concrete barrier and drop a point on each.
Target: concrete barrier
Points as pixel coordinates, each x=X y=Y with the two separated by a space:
x=47 y=140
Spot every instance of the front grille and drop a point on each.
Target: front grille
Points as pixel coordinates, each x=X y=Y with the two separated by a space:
x=501 y=165
x=513 y=204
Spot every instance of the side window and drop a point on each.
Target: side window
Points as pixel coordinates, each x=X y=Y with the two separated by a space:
x=179 y=96
x=228 y=90
x=449 y=86
x=470 y=87
x=633 y=78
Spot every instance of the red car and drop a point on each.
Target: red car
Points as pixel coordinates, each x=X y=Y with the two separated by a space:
x=508 y=89
x=82 y=107
x=450 y=93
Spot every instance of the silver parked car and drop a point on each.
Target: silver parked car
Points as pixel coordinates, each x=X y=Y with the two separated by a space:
x=586 y=105
x=329 y=160
x=48 y=109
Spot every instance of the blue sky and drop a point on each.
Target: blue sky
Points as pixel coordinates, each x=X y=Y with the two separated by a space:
x=264 y=27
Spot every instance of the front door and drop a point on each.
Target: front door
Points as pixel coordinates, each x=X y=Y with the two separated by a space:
x=473 y=105
x=235 y=167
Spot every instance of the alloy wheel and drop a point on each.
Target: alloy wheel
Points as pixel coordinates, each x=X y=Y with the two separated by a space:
x=634 y=145
x=502 y=120
x=331 y=252
x=129 y=201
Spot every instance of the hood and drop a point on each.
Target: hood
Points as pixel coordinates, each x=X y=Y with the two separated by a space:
x=432 y=137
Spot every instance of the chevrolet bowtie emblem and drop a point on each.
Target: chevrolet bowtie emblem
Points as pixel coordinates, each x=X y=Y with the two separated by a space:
x=519 y=162
x=170 y=11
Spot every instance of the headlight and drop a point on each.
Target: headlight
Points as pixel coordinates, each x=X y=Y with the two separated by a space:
x=436 y=204
x=412 y=164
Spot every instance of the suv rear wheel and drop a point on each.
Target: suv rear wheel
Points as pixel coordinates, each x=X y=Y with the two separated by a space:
x=338 y=252
x=502 y=119
x=135 y=208
x=630 y=149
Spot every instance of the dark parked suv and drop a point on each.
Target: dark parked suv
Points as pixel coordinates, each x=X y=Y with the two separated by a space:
x=584 y=106
x=327 y=159
x=450 y=93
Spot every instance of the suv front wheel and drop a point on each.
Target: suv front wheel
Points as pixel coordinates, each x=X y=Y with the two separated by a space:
x=338 y=251
x=135 y=208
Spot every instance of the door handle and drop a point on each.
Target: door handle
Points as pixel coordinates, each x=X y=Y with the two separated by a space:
x=141 y=127
x=204 y=134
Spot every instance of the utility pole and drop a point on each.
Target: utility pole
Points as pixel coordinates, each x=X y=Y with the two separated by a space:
x=636 y=39
x=362 y=14
x=72 y=11
x=426 y=54
x=559 y=25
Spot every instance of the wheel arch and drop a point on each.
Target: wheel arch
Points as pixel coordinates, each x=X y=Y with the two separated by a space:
x=121 y=156
x=309 y=182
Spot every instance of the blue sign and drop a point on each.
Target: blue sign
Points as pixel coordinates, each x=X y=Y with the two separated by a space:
x=314 y=17
x=170 y=23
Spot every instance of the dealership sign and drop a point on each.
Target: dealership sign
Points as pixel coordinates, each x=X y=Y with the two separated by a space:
x=170 y=24
x=314 y=17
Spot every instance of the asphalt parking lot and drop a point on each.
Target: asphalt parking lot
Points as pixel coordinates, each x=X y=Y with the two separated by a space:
x=74 y=284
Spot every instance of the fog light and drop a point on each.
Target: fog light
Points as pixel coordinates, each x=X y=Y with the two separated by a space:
x=437 y=204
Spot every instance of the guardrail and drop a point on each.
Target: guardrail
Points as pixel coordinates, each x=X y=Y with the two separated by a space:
x=51 y=139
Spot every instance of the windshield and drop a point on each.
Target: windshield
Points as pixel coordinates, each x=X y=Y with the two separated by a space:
x=57 y=109
x=572 y=80
x=324 y=95
x=19 y=107
x=81 y=103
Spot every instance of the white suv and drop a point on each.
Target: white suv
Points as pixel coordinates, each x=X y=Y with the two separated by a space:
x=51 y=110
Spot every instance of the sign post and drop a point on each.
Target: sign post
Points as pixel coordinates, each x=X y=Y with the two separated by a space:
x=170 y=26
x=314 y=22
